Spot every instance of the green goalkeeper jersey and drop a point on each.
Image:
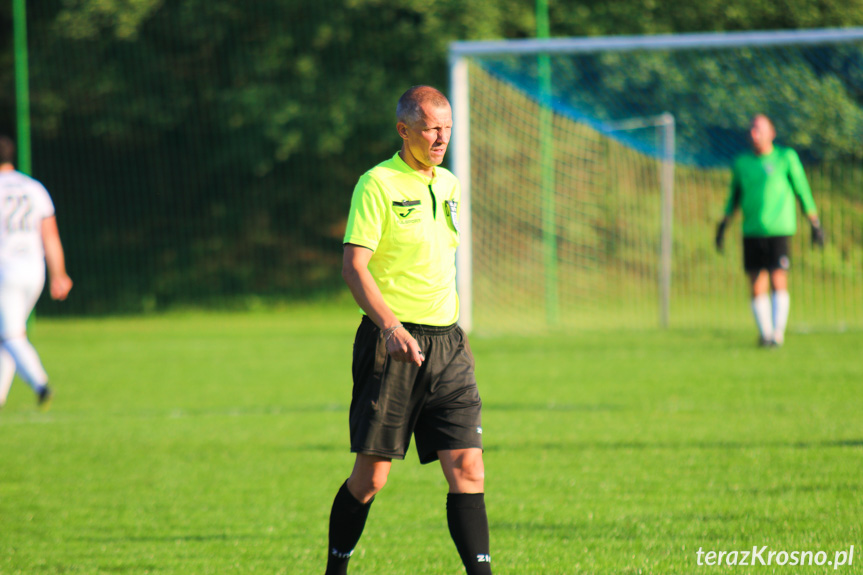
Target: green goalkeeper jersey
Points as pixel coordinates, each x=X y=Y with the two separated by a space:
x=765 y=187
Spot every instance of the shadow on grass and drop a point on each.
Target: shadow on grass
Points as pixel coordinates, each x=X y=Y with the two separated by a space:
x=659 y=445
x=523 y=407
x=57 y=416
x=189 y=538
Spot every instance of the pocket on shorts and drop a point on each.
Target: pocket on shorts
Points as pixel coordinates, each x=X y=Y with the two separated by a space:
x=369 y=363
x=380 y=357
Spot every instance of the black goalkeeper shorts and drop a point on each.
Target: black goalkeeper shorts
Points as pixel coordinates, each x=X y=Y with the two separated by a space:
x=438 y=402
x=769 y=253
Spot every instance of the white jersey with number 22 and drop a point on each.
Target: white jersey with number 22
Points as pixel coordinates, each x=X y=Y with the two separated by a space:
x=24 y=203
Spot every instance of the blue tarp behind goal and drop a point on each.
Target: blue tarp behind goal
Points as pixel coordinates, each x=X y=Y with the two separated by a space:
x=812 y=91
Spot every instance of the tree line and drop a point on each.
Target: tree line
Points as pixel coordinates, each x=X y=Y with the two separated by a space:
x=203 y=151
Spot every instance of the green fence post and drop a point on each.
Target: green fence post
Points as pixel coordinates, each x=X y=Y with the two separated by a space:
x=549 y=227
x=22 y=85
x=22 y=95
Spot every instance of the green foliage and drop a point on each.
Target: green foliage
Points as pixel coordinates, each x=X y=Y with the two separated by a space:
x=202 y=150
x=592 y=18
x=206 y=149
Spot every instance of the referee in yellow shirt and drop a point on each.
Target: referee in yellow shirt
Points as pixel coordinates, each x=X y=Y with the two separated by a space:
x=413 y=370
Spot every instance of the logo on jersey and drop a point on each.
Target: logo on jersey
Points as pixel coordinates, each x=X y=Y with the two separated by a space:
x=483 y=558
x=479 y=430
x=406 y=208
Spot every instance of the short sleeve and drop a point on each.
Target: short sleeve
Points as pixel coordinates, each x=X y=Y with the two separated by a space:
x=367 y=216
x=46 y=206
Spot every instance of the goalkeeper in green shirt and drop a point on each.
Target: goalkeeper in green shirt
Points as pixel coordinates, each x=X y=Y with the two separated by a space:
x=764 y=185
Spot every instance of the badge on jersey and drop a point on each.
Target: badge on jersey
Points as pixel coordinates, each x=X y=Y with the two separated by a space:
x=452 y=211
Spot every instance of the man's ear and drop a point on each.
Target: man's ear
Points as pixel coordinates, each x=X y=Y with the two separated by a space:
x=402 y=129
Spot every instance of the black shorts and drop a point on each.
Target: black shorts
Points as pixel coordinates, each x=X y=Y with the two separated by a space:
x=438 y=402
x=769 y=253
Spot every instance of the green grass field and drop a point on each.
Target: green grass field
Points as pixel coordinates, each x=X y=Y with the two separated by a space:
x=196 y=444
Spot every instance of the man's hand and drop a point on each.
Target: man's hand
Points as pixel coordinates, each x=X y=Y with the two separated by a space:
x=720 y=234
x=404 y=348
x=60 y=287
x=817 y=233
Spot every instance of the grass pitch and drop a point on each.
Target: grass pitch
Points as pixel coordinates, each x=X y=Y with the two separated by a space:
x=196 y=444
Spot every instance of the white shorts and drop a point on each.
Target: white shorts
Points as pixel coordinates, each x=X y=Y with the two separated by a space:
x=20 y=288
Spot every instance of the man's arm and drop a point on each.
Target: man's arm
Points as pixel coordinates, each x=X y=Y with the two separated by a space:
x=355 y=270
x=734 y=195
x=55 y=260
x=735 y=192
x=800 y=185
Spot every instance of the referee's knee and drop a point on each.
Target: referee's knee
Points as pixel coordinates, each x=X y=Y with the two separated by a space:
x=474 y=471
x=469 y=472
x=364 y=484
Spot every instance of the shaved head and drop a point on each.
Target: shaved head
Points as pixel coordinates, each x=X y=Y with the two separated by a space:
x=410 y=107
x=763 y=118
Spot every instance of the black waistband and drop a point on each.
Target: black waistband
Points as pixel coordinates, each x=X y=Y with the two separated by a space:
x=422 y=329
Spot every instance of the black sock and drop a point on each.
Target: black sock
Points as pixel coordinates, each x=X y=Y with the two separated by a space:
x=468 y=525
x=347 y=520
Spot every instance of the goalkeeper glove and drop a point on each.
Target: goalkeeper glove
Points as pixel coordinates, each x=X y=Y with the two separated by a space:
x=720 y=233
x=817 y=233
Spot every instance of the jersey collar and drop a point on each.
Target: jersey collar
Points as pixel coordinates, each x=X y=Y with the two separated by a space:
x=405 y=168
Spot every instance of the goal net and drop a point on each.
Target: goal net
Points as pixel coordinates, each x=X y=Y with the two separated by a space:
x=594 y=172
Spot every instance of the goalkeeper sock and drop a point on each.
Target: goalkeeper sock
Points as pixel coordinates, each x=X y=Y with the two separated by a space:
x=468 y=526
x=781 y=306
x=347 y=521
x=763 y=313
